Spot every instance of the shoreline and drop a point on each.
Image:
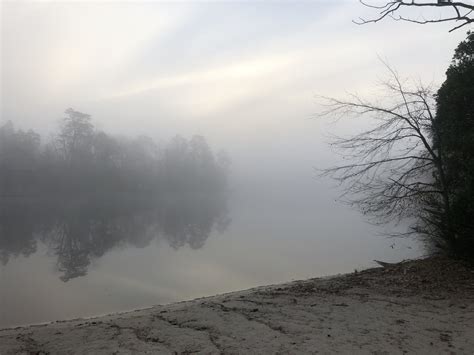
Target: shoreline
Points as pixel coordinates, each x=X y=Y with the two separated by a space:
x=145 y=308
x=414 y=306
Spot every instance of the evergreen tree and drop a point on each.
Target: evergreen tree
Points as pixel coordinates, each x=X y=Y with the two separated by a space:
x=453 y=135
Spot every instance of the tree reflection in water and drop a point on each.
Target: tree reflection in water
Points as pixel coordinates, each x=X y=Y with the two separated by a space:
x=78 y=233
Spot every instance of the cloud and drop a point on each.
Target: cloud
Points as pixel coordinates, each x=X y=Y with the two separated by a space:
x=197 y=63
x=59 y=52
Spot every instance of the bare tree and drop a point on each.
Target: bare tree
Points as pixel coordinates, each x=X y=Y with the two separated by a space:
x=461 y=12
x=395 y=171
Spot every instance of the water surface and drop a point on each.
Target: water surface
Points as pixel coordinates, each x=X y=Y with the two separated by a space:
x=80 y=260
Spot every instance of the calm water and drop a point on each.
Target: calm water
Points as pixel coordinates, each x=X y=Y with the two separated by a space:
x=80 y=260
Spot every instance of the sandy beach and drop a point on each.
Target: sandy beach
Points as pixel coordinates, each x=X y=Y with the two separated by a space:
x=423 y=306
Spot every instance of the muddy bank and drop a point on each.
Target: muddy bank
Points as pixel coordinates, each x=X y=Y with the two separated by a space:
x=423 y=306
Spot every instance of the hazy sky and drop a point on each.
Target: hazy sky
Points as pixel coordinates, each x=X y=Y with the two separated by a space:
x=243 y=74
x=223 y=68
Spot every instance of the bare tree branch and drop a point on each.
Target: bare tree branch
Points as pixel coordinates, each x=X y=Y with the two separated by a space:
x=463 y=12
x=393 y=164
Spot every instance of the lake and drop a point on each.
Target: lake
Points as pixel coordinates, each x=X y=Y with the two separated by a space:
x=80 y=260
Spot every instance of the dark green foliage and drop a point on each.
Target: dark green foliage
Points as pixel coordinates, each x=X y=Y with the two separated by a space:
x=453 y=136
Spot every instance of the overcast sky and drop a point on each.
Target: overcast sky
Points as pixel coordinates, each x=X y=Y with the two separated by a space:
x=243 y=74
x=220 y=67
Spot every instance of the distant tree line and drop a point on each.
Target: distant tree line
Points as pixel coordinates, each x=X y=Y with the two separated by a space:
x=84 y=192
x=79 y=161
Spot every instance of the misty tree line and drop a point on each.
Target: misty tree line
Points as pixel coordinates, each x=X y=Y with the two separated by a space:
x=84 y=192
x=81 y=161
x=417 y=160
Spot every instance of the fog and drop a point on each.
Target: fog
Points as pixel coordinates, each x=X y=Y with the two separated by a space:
x=198 y=172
